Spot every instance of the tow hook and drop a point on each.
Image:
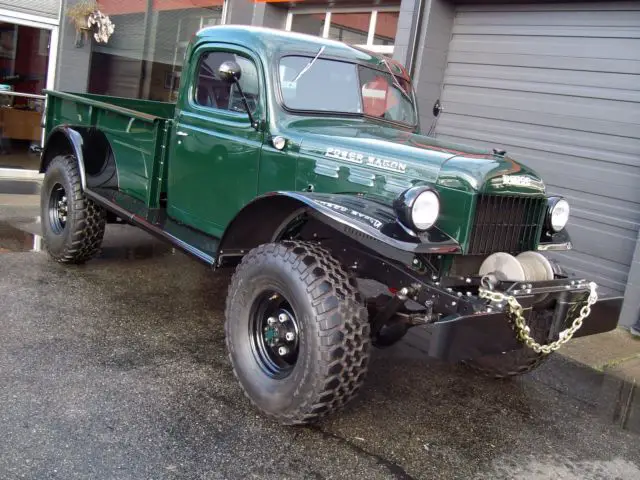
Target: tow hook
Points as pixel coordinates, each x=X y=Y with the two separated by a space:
x=389 y=324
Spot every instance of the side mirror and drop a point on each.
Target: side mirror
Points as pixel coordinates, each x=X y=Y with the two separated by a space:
x=229 y=72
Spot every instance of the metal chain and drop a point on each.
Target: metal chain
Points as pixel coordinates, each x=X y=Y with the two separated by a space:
x=524 y=332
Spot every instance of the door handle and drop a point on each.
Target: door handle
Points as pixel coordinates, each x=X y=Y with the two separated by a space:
x=182 y=134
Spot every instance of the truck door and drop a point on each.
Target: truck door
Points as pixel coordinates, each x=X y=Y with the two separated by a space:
x=215 y=151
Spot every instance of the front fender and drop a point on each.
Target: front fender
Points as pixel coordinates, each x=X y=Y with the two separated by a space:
x=364 y=220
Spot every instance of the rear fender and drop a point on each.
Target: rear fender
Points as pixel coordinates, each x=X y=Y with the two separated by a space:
x=367 y=222
x=64 y=140
x=96 y=161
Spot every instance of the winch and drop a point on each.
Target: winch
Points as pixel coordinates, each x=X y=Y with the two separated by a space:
x=526 y=267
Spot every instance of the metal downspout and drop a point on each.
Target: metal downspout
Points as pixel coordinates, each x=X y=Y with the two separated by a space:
x=415 y=38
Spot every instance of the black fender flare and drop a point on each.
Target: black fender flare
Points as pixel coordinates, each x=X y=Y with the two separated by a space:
x=368 y=222
x=66 y=136
x=92 y=149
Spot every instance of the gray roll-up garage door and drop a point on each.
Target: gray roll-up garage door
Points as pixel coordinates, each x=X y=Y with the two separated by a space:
x=558 y=86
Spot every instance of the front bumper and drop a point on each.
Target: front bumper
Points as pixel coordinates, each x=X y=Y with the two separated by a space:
x=463 y=337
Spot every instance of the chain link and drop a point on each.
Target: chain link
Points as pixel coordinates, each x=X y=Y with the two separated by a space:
x=524 y=332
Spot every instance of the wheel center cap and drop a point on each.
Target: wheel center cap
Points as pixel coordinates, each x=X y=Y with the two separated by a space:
x=271 y=335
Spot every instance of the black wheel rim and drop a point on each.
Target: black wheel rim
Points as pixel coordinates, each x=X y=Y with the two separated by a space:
x=274 y=334
x=58 y=209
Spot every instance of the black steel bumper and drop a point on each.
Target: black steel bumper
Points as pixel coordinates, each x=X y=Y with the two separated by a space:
x=462 y=337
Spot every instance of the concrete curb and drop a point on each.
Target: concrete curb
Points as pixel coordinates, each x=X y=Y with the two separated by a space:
x=615 y=353
x=19 y=174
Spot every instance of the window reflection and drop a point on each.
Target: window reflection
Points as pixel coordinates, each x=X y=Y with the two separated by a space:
x=311 y=23
x=352 y=28
x=24 y=60
x=386 y=28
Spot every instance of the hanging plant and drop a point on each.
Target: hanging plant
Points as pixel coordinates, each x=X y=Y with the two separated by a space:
x=86 y=16
x=103 y=26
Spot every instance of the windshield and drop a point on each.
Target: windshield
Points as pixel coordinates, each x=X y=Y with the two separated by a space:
x=333 y=86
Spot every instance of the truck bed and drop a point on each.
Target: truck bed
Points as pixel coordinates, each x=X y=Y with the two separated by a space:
x=137 y=132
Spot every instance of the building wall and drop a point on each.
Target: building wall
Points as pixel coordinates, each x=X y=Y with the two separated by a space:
x=431 y=56
x=72 y=69
x=41 y=8
x=268 y=15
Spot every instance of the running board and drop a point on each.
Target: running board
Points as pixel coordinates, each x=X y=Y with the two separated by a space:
x=157 y=223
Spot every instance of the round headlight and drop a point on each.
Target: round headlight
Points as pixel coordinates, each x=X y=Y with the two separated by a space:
x=425 y=210
x=559 y=214
x=418 y=208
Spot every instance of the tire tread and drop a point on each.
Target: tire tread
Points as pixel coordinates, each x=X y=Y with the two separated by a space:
x=342 y=324
x=89 y=218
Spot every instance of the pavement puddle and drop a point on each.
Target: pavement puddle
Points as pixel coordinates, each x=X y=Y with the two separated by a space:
x=120 y=242
x=14 y=239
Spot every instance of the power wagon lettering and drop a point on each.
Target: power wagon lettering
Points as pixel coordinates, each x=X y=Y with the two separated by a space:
x=369 y=160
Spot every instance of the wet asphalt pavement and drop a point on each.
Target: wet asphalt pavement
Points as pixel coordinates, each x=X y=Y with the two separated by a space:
x=118 y=369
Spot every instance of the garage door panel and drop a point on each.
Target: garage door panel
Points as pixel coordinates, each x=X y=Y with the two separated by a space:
x=619 y=129
x=608 y=276
x=532 y=60
x=558 y=86
x=621 y=48
x=604 y=8
x=547 y=77
x=586 y=145
x=621 y=95
x=480 y=130
x=621 y=19
x=604 y=212
x=540 y=102
x=555 y=31
x=614 y=245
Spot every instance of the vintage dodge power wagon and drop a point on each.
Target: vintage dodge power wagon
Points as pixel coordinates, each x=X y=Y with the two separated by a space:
x=298 y=161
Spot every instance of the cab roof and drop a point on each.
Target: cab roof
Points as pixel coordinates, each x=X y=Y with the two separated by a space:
x=273 y=43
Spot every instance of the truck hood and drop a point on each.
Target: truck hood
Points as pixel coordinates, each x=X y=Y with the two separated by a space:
x=402 y=159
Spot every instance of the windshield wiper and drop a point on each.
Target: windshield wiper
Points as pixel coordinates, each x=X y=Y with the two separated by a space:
x=308 y=65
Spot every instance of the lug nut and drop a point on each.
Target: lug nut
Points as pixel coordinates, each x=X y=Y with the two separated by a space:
x=271 y=320
x=282 y=351
x=290 y=336
x=283 y=317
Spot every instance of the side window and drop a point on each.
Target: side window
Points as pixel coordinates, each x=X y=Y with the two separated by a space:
x=210 y=91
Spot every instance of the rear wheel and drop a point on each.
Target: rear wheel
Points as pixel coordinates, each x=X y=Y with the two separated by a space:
x=72 y=225
x=297 y=331
x=517 y=362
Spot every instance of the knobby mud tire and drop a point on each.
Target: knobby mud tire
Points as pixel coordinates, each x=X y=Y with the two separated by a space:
x=82 y=235
x=334 y=331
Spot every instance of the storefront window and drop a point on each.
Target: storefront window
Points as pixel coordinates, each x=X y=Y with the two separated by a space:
x=373 y=29
x=352 y=28
x=386 y=27
x=312 y=23
x=24 y=60
x=145 y=54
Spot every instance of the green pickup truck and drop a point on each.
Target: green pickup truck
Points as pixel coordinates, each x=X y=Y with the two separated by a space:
x=298 y=161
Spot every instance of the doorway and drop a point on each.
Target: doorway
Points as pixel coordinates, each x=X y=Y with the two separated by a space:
x=27 y=60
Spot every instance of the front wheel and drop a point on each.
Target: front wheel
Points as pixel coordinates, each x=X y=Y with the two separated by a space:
x=297 y=331
x=72 y=225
